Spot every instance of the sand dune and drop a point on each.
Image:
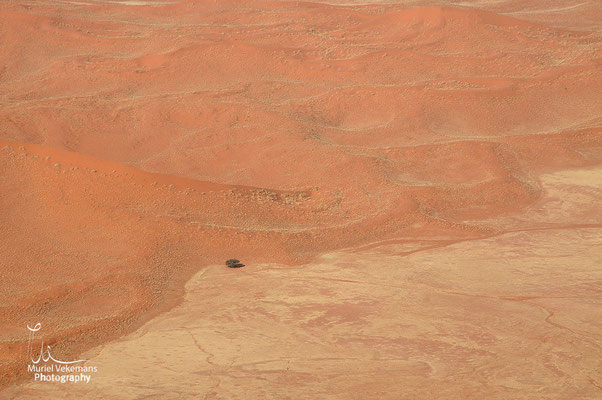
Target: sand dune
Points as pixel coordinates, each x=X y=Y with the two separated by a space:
x=141 y=142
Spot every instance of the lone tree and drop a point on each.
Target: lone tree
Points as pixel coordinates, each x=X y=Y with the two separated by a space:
x=234 y=263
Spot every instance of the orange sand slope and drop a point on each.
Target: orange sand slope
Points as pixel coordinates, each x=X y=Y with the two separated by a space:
x=142 y=141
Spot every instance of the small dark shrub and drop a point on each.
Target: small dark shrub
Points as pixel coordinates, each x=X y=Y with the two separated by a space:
x=234 y=263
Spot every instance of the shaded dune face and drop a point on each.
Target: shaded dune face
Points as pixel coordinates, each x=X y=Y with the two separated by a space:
x=141 y=143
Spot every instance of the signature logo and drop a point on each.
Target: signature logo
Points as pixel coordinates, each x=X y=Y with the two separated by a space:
x=46 y=368
x=44 y=355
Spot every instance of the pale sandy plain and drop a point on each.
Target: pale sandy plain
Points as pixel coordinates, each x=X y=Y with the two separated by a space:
x=415 y=188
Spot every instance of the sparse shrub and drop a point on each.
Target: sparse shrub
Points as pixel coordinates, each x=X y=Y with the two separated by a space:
x=233 y=263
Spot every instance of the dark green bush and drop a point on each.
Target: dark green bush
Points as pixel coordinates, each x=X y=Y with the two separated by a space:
x=233 y=263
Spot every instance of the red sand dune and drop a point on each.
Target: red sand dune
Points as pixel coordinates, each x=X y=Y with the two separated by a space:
x=143 y=142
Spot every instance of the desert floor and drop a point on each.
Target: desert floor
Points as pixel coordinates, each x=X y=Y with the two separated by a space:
x=415 y=189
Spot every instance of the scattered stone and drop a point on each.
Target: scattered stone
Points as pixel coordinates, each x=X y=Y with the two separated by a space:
x=94 y=171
